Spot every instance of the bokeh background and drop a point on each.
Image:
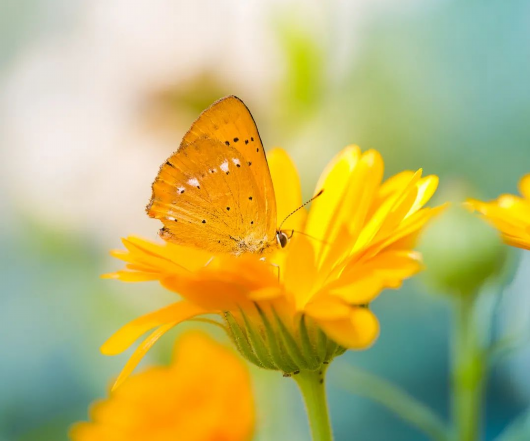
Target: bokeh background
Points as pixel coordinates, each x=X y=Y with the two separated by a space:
x=94 y=95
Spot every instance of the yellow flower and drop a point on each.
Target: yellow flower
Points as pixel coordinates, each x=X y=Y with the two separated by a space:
x=309 y=302
x=510 y=215
x=192 y=400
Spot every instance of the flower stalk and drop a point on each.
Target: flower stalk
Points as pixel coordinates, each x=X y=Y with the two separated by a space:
x=313 y=390
x=468 y=371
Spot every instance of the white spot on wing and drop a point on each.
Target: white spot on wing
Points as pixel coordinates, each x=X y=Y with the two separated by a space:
x=170 y=218
x=193 y=182
x=180 y=189
x=236 y=161
x=224 y=166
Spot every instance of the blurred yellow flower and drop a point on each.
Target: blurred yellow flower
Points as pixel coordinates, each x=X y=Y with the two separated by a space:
x=306 y=303
x=193 y=399
x=510 y=214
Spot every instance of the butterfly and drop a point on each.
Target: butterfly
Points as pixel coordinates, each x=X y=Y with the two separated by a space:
x=215 y=192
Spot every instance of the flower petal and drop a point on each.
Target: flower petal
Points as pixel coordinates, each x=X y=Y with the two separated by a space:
x=426 y=188
x=334 y=181
x=122 y=339
x=287 y=189
x=360 y=282
x=140 y=351
x=300 y=270
x=326 y=307
x=132 y=276
x=357 y=331
x=524 y=186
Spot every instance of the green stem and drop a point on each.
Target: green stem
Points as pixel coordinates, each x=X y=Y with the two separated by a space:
x=468 y=370
x=312 y=387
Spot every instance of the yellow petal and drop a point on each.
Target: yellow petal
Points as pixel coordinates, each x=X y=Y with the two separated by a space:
x=363 y=187
x=358 y=331
x=152 y=255
x=300 y=270
x=518 y=241
x=334 y=181
x=360 y=291
x=407 y=228
x=326 y=307
x=204 y=394
x=287 y=189
x=226 y=283
x=178 y=255
x=395 y=182
x=132 y=276
x=391 y=212
x=140 y=351
x=524 y=186
x=128 y=334
x=426 y=188
x=361 y=282
x=268 y=293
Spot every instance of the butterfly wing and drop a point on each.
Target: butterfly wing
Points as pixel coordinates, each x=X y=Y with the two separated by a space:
x=230 y=122
x=208 y=196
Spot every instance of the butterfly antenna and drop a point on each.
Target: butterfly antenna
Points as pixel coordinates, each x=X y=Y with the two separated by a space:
x=312 y=237
x=300 y=207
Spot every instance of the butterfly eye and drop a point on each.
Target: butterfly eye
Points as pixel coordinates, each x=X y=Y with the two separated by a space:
x=282 y=239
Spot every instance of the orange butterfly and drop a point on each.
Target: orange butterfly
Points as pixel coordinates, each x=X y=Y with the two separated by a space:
x=215 y=192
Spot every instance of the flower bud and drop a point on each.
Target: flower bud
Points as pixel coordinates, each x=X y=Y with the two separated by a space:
x=461 y=251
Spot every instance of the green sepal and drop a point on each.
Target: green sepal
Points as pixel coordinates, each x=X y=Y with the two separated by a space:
x=290 y=344
x=240 y=341
x=322 y=345
x=257 y=343
x=281 y=358
x=340 y=350
x=308 y=350
x=331 y=349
